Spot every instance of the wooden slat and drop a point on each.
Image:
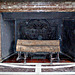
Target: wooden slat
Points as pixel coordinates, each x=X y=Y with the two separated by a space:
x=38 y=48
x=38 y=42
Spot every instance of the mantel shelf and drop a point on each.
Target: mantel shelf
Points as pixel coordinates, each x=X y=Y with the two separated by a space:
x=37 y=6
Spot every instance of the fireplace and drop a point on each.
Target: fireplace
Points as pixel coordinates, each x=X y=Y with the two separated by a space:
x=37 y=26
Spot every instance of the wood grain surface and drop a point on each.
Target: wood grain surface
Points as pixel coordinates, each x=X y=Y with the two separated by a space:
x=38 y=42
x=38 y=46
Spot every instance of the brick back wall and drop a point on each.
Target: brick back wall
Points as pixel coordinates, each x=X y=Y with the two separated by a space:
x=0 y=37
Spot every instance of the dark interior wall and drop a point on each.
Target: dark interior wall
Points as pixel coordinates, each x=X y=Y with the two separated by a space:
x=37 y=15
x=68 y=37
x=56 y=22
x=7 y=34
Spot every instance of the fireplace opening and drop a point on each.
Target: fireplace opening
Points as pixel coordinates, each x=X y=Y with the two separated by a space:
x=36 y=26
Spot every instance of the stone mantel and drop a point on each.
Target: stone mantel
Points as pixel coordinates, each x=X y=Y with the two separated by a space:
x=37 y=6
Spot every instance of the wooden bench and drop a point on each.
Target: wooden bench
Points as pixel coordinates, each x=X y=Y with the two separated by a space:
x=51 y=46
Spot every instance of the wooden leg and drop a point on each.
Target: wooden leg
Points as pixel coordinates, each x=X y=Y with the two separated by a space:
x=51 y=58
x=58 y=57
x=19 y=56
x=25 y=54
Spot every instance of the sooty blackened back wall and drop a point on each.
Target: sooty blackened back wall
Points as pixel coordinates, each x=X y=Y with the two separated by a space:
x=37 y=29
